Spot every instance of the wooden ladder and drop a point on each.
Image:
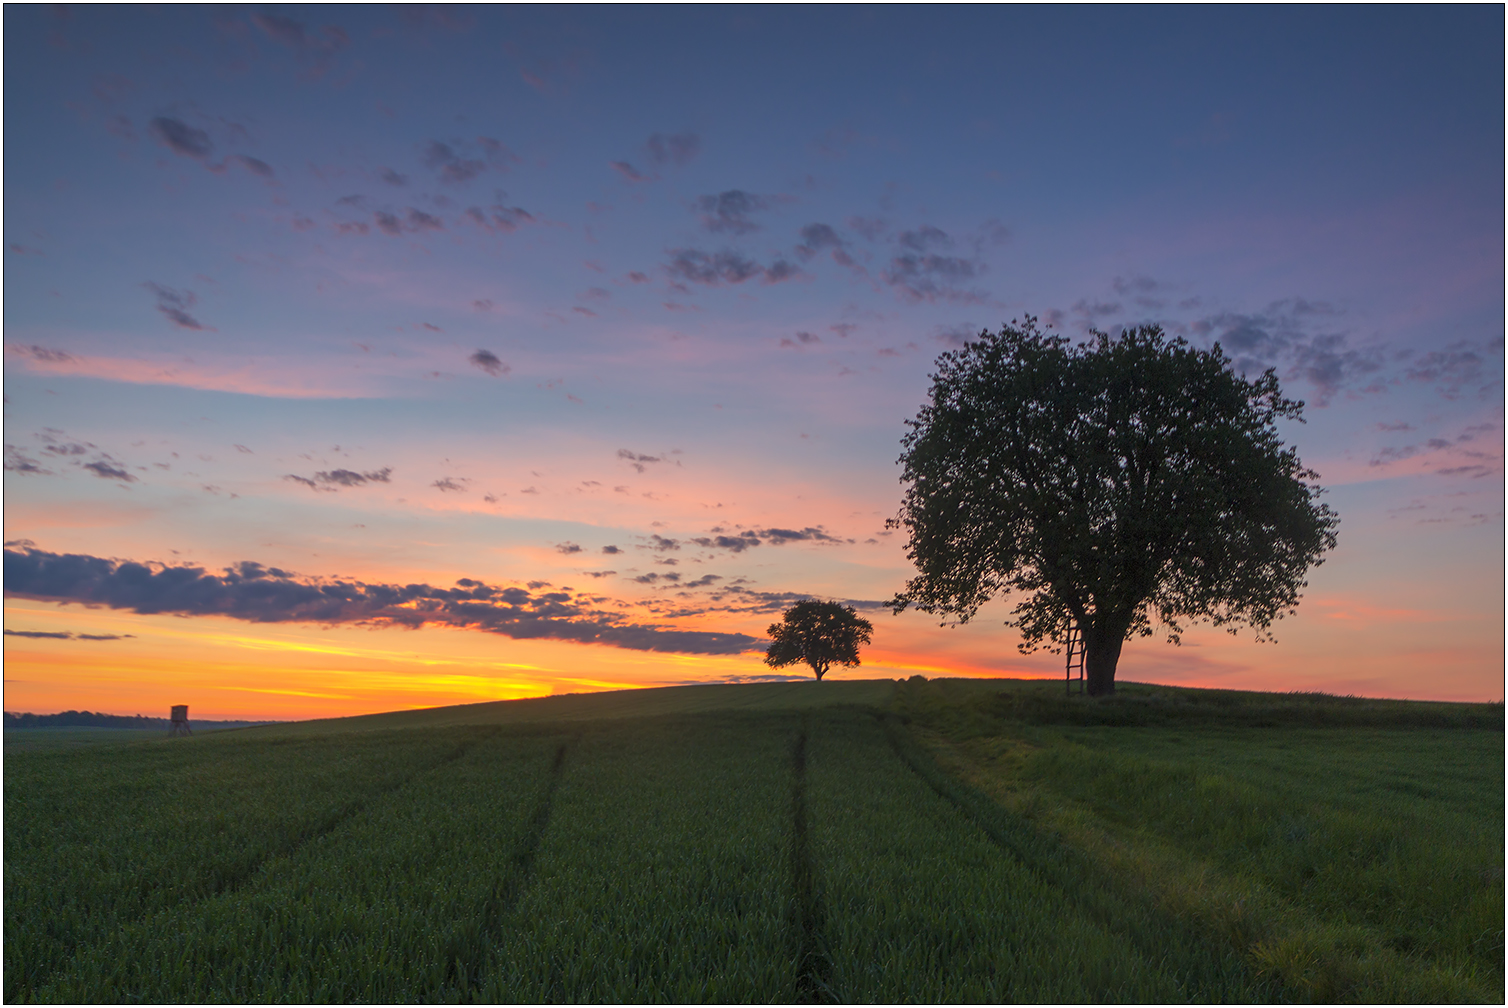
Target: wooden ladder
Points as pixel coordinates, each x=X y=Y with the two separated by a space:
x=1074 y=659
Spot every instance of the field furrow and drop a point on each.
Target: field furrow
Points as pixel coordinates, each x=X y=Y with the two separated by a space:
x=663 y=875
x=159 y=826
x=965 y=842
x=924 y=906
x=400 y=902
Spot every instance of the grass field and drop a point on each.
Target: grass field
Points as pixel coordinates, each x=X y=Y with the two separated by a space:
x=808 y=842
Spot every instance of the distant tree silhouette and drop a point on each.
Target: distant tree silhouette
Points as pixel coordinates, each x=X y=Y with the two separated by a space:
x=821 y=634
x=1107 y=483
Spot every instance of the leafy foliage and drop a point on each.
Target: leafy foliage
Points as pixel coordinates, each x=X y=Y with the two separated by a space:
x=819 y=633
x=1105 y=484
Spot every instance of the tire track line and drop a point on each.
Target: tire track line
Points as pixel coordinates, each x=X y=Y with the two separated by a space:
x=469 y=969
x=808 y=917
x=240 y=876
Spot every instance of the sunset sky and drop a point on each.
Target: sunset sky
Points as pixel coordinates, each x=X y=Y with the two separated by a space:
x=596 y=329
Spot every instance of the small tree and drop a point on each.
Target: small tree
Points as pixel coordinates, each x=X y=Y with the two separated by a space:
x=819 y=633
x=1104 y=484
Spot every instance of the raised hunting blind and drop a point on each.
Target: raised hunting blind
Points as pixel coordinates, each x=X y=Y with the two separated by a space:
x=1074 y=653
x=178 y=722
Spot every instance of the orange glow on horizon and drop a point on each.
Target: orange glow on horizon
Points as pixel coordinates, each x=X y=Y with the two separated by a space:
x=227 y=669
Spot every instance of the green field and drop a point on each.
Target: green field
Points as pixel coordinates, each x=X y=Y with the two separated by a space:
x=796 y=842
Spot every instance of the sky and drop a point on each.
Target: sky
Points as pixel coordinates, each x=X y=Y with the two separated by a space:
x=371 y=358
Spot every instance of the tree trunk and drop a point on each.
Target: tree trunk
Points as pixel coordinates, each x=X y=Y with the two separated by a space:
x=1102 y=651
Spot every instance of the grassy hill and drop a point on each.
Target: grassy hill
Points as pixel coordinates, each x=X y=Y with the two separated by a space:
x=852 y=840
x=699 y=699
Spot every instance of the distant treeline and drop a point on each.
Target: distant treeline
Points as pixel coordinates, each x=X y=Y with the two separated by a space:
x=88 y=719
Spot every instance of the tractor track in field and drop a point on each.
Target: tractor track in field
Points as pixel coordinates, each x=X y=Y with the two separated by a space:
x=240 y=876
x=808 y=918
x=1205 y=968
x=468 y=969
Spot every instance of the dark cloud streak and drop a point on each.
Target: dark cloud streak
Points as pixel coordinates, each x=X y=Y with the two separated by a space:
x=257 y=594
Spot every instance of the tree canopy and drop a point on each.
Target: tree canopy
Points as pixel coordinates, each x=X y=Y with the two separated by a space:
x=1104 y=485
x=821 y=634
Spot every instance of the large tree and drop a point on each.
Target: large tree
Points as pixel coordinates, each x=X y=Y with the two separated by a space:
x=1103 y=486
x=821 y=634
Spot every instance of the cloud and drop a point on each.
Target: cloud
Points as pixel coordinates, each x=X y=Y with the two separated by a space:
x=955 y=336
x=1457 y=459
x=1455 y=367
x=248 y=591
x=737 y=599
x=44 y=354
x=921 y=272
x=253 y=165
x=453 y=483
x=181 y=138
x=412 y=221
x=335 y=478
x=388 y=223
x=174 y=306
x=677 y=148
x=660 y=544
x=736 y=543
x=453 y=163
x=662 y=149
x=17 y=461
x=499 y=218
x=192 y=142
x=743 y=539
x=628 y=171
x=65 y=635
x=638 y=461
x=54 y=445
x=104 y=470
x=817 y=237
x=318 y=48
x=713 y=270
x=778 y=536
x=391 y=177
x=1280 y=337
x=611 y=550
x=489 y=362
x=450 y=166
x=728 y=212
x=567 y=548
x=870 y=227
x=1141 y=289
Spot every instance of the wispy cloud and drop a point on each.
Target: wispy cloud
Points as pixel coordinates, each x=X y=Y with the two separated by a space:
x=336 y=478
x=921 y=270
x=729 y=212
x=174 y=306
x=1283 y=336
x=315 y=47
x=65 y=635
x=713 y=269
